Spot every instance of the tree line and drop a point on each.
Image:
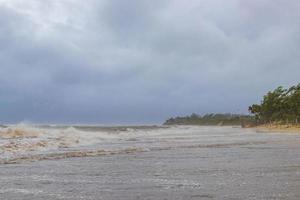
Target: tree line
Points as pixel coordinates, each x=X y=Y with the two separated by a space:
x=210 y=119
x=281 y=105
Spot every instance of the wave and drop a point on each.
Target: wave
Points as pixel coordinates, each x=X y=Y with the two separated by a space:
x=102 y=152
x=17 y=132
x=70 y=154
x=20 y=143
x=21 y=139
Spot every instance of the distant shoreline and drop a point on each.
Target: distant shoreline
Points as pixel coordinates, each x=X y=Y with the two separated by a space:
x=267 y=128
x=212 y=119
x=278 y=128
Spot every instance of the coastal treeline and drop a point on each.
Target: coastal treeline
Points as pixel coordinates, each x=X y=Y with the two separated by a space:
x=281 y=105
x=211 y=119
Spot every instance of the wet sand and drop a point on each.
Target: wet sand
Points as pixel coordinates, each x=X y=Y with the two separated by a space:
x=184 y=163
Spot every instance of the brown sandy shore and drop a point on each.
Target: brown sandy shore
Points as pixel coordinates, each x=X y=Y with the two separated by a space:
x=279 y=128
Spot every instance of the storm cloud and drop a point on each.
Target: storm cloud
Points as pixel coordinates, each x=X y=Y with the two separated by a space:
x=142 y=61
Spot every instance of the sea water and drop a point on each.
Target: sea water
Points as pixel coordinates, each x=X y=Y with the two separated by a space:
x=147 y=162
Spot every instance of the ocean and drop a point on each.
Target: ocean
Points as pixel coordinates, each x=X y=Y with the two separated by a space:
x=147 y=162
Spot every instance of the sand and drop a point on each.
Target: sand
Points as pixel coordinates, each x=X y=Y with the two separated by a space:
x=279 y=128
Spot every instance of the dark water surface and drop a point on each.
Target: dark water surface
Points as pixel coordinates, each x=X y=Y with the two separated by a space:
x=170 y=163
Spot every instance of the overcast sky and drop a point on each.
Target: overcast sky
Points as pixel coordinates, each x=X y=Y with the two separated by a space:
x=142 y=61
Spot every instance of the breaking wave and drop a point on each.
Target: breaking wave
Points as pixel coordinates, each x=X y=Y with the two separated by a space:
x=19 y=139
x=23 y=143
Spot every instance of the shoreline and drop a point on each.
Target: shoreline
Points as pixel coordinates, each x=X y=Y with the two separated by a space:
x=278 y=128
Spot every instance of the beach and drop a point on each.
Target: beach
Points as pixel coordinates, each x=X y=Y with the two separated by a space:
x=279 y=128
x=157 y=162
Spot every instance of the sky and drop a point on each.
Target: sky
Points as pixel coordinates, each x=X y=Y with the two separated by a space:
x=142 y=61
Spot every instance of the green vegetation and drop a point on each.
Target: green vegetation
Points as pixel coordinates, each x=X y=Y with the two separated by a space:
x=279 y=106
x=211 y=119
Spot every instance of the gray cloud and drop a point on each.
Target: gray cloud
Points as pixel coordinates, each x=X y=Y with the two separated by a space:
x=142 y=61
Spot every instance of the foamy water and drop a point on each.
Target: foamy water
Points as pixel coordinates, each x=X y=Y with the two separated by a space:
x=176 y=162
x=19 y=143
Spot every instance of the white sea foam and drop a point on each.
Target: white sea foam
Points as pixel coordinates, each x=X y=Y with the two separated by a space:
x=30 y=142
x=21 y=139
